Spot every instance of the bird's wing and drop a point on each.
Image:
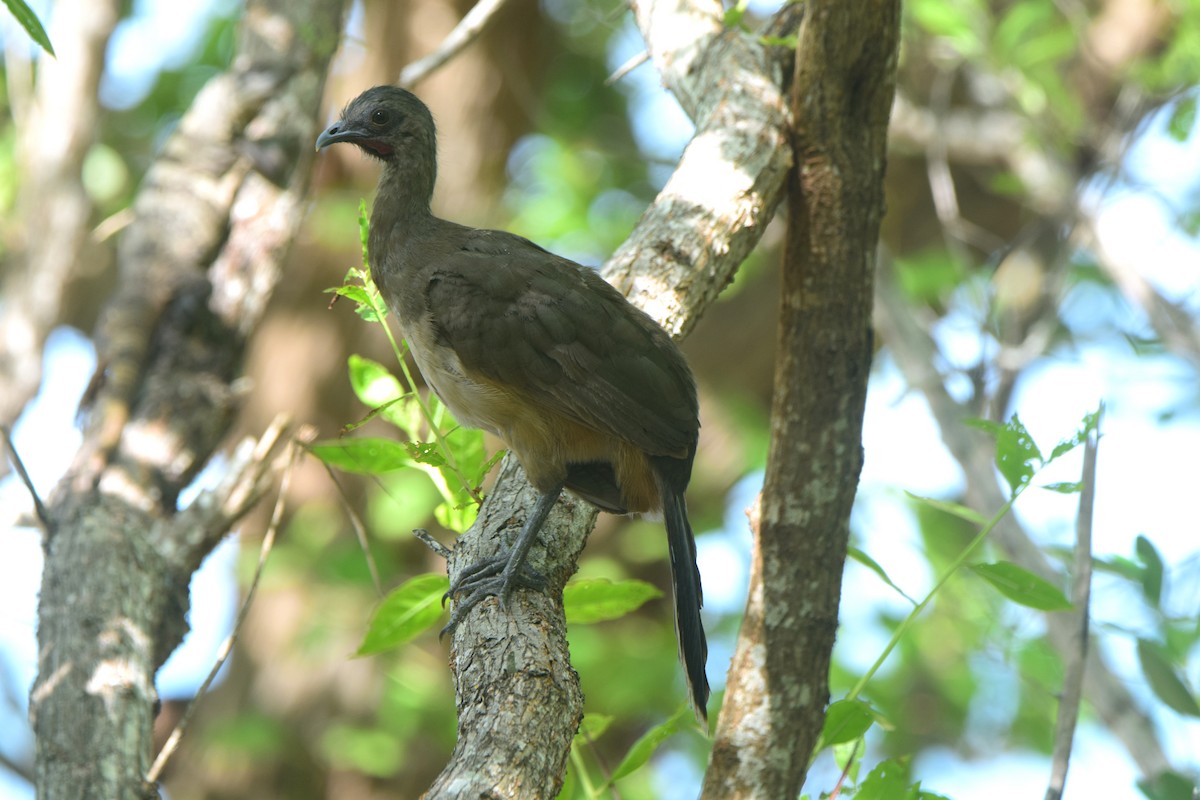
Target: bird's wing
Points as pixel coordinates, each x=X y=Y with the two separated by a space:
x=558 y=334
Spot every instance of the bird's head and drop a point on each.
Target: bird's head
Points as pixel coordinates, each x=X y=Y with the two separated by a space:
x=383 y=121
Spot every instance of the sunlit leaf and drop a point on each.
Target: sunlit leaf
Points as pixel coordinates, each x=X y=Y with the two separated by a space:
x=425 y=453
x=366 y=456
x=1086 y=426
x=845 y=721
x=1165 y=681
x=456 y=517
x=849 y=756
x=1070 y=487
x=648 y=742
x=888 y=781
x=952 y=508
x=364 y=231
x=405 y=613
x=594 y=726
x=1168 y=786
x=372 y=751
x=1017 y=455
x=953 y=21
x=1022 y=586
x=599 y=599
x=1151 y=577
x=372 y=382
x=1183 y=119
x=871 y=564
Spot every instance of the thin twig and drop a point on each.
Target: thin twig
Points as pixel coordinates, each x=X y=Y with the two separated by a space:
x=837 y=788
x=628 y=67
x=226 y=648
x=432 y=543
x=1076 y=658
x=360 y=530
x=15 y=458
x=467 y=30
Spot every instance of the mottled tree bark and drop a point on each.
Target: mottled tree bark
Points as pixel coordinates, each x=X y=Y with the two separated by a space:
x=779 y=681
x=215 y=216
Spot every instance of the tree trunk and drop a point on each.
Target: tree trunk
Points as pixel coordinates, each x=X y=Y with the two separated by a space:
x=779 y=680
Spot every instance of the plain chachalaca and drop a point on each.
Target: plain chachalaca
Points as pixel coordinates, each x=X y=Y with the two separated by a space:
x=588 y=391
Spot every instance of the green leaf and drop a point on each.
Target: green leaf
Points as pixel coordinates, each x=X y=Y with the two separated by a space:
x=372 y=751
x=1164 y=680
x=955 y=21
x=1086 y=427
x=1167 y=786
x=405 y=613
x=871 y=564
x=1022 y=586
x=1189 y=223
x=1016 y=454
x=951 y=508
x=29 y=21
x=364 y=231
x=594 y=726
x=648 y=742
x=1072 y=487
x=929 y=276
x=426 y=453
x=1151 y=577
x=986 y=425
x=372 y=382
x=790 y=42
x=599 y=599
x=888 y=781
x=365 y=456
x=845 y=721
x=1121 y=566
x=456 y=517
x=363 y=305
x=1183 y=119
x=849 y=756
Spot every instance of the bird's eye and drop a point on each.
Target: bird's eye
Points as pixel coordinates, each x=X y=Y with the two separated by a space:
x=379 y=117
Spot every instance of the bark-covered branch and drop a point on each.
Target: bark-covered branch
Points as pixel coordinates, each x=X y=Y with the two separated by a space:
x=779 y=681
x=216 y=214
x=519 y=702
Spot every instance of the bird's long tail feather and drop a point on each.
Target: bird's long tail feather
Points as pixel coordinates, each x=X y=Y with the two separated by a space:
x=685 y=576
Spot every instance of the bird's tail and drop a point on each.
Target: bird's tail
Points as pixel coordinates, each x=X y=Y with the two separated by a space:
x=685 y=579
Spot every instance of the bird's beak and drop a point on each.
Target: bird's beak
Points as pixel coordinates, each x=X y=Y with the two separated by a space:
x=337 y=132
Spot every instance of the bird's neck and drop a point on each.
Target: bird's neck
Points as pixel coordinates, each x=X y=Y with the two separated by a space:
x=401 y=213
x=405 y=192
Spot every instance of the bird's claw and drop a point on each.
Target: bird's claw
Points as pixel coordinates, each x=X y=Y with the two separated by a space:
x=484 y=579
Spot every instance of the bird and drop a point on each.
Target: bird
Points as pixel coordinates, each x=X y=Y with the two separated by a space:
x=588 y=391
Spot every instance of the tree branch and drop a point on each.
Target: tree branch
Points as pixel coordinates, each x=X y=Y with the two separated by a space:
x=465 y=32
x=1081 y=590
x=779 y=681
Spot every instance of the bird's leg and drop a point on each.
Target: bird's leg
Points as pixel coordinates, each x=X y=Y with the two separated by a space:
x=497 y=577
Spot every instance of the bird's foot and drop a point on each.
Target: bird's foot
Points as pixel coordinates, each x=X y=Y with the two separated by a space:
x=484 y=579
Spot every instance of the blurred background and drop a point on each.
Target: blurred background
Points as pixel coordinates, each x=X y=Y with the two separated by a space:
x=1039 y=257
